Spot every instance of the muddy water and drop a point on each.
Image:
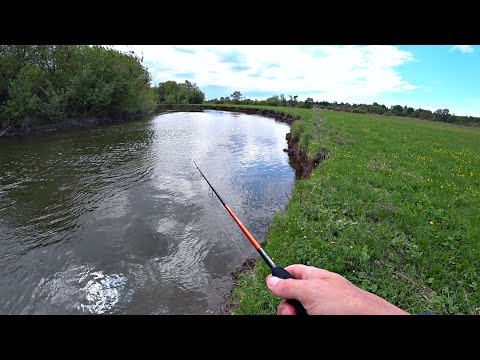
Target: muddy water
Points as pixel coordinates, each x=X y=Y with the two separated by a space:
x=117 y=219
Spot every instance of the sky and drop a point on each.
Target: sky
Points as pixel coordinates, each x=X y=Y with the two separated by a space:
x=420 y=76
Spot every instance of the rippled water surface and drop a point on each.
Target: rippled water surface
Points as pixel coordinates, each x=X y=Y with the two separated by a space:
x=117 y=220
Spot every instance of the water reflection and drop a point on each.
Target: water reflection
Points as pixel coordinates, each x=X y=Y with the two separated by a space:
x=117 y=220
x=103 y=292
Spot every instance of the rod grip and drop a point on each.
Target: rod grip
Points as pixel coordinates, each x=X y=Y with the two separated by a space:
x=280 y=272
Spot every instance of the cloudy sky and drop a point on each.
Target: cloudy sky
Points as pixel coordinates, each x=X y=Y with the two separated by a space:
x=425 y=76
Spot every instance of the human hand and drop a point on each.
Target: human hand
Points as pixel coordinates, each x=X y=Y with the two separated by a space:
x=322 y=292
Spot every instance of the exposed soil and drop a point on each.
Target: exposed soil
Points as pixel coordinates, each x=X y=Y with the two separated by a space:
x=300 y=156
x=230 y=304
x=305 y=168
x=306 y=165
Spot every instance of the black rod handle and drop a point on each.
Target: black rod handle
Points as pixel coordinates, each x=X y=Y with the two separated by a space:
x=280 y=272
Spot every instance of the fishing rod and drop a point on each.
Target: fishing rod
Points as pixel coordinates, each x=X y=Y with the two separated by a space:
x=277 y=271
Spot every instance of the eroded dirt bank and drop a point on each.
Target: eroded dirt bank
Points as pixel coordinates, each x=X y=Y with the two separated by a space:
x=306 y=167
x=294 y=151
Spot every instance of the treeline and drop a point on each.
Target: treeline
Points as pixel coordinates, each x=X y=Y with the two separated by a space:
x=398 y=110
x=375 y=108
x=170 y=92
x=49 y=83
x=276 y=100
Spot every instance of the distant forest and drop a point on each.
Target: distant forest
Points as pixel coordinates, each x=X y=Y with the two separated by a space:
x=52 y=83
x=375 y=108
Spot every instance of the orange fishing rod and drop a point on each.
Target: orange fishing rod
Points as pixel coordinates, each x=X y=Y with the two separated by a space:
x=277 y=271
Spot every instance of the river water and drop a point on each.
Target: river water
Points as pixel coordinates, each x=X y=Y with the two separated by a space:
x=116 y=219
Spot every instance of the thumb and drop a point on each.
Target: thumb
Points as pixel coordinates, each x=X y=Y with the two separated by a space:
x=287 y=288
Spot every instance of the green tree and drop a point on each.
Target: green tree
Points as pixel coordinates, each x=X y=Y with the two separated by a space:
x=396 y=110
x=442 y=115
x=12 y=59
x=308 y=103
x=41 y=83
x=375 y=108
x=236 y=97
x=24 y=102
x=171 y=92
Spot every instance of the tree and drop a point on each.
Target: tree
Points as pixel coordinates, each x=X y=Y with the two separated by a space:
x=308 y=103
x=54 y=82
x=377 y=109
x=293 y=101
x=273 y=101
x=408 y=111
x=236 y=97
x=442 y=115
x=192 y=94
x=396 y=110
x=171 y=92
x=167 y=92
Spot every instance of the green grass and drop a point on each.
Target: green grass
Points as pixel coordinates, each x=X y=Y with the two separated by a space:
x=395 y=208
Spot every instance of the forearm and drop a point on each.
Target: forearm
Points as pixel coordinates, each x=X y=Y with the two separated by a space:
x=375 y=305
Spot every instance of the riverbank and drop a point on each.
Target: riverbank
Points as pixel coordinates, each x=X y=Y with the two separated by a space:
x=306 y=162
x=393 y=209
x=19 y=130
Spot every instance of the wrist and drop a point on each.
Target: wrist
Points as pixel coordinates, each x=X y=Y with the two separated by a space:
x=378 y=306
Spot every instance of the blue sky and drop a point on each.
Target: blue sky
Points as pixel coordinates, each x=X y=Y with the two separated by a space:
x=420 y=76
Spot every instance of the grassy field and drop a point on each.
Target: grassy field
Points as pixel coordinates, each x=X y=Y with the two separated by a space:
x=395 y=208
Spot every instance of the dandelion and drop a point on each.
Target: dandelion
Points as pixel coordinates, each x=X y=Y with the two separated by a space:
x=430 y=222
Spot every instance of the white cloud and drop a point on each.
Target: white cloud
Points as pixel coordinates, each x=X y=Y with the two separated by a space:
x=342 y=73
x=465 y=49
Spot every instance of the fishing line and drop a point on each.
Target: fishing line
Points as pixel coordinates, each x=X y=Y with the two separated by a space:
x=276 y=270
x=244 y=255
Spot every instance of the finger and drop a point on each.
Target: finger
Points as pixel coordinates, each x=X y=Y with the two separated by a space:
x=290 y=288
x=305 y=272
x=286 y=309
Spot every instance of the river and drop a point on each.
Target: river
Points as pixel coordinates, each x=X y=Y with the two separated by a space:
x=116 y=219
